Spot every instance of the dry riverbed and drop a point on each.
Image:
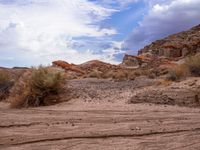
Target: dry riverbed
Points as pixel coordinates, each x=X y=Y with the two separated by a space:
x=100 y=118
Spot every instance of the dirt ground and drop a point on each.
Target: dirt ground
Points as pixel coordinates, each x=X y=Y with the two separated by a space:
x=99 y=118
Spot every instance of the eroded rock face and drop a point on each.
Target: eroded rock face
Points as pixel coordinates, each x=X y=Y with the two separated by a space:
x=135 y=61
x=171 y=48
x=176 y=45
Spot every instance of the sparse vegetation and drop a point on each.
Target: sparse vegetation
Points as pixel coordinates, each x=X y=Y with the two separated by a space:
x=5 y=84
x=193 y=64
x=4 y=76
x=37 y=87
x=120 y=75
x=190 y=67
x=108 y=74
x=95 y=74
x=178 y=72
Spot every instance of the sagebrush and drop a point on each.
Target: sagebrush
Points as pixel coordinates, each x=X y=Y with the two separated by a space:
x=193 y=64
x=178 y=72
x=5 y=84
x=37 y=87
x=4 y=76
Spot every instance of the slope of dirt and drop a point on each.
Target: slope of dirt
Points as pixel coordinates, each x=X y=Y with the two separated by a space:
x=184 y=93
x=106 y=122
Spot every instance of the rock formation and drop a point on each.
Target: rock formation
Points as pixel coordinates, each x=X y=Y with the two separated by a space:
x=135 y=61
x=66 y=66
x=96 y=65
x=173 y=47
x=176 y=45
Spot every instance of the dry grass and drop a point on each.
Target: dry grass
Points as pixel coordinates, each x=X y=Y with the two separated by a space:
x=95 y=74
x=120 y=75
x=165 y=83
x=178 y=72
x=193 y=64
x=108 y=74
x=4 y=76
x=5 y=84
x=37 y=87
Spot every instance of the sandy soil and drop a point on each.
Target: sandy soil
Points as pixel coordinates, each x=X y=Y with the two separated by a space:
x=100 y=119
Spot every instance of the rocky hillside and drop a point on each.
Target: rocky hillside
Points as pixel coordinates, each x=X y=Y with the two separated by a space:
x=176 y=45
x=173 y=47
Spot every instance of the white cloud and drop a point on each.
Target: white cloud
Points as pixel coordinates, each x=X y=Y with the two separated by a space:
x=118 y=2
x=40 y=31
x=164 y=18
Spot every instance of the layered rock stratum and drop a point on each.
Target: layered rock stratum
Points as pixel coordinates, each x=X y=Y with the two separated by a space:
x=173 y=47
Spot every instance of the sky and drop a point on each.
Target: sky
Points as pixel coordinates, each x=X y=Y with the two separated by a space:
x=34 y=32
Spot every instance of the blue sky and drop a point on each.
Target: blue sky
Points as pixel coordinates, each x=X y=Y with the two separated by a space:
x=34 y=32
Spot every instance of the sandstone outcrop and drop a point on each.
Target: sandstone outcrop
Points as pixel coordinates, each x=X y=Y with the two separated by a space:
x=171 y=48
x=66 y=66
x=176 y=45
x=97 y=65
x=135 y=61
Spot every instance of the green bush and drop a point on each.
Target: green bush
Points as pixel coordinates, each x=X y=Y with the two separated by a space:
x=37 y=87
x=193 y=64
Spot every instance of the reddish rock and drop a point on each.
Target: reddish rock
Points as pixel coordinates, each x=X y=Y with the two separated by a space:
x=67 y=66
x=97 y=65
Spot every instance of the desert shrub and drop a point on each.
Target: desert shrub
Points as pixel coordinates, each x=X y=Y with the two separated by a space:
x=152 y=75
x=36 y=87
x=177 y=73
x=117 y=75
x=131 y=75
x=137 y=73
x=5 y=84
x=95 y=74
x=193 y=64
x=108 y=74
x=4 y=76
x=120 y=75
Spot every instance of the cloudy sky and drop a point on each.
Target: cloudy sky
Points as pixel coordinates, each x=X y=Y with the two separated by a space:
x=34 y=32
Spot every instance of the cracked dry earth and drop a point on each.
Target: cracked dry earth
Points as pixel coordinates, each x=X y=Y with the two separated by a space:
x=90 y=123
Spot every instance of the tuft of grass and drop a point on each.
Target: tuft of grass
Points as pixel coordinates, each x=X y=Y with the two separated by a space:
x=177 y=73
x=36 y=87
x=4 y=76
x=120 y=75
x=5 y=84
x=108 y=74
x=193 y=64
x=95 y=74
x=131 y=75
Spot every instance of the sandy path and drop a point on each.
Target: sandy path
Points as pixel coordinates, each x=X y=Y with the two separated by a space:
x=127 y=128
x=80 y=125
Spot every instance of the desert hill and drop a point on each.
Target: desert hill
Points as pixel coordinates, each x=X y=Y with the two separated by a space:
x=171 y=48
